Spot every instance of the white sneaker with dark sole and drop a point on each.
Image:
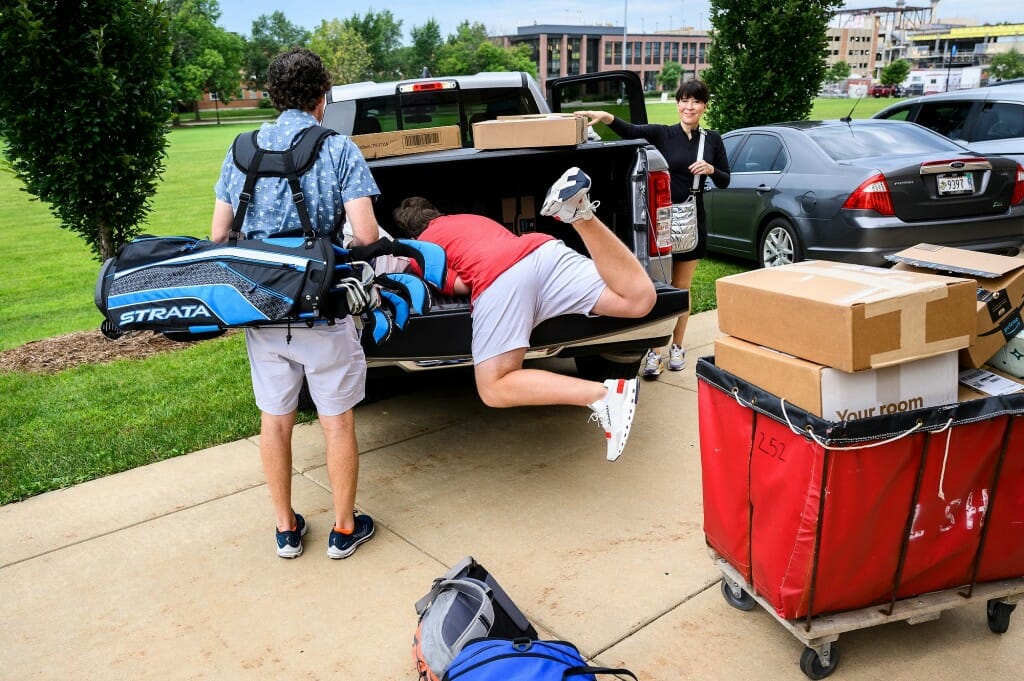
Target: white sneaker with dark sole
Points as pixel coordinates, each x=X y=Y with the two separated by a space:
x=568 y=200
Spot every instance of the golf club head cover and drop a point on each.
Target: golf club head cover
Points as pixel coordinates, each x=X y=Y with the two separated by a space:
x=378 y=324
x=399 y=307
x=382 y=246
x=430 y=257
x=410 y=287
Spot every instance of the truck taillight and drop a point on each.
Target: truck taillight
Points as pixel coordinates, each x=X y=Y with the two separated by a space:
x=1018 y=187
x=659 y=204
x=872 y=194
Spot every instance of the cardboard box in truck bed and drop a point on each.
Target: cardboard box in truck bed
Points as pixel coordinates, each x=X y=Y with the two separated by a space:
x=534 y=130
x=848 y=317
x=401 y=142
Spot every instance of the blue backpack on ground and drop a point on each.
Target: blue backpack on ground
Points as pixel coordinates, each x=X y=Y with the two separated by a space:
x=496 y=659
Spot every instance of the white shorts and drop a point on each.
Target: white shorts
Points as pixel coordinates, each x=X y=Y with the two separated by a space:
x=552 y=280
x=330 y=357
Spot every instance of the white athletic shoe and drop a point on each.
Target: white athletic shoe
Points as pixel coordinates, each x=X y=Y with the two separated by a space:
x=568 y=200
x=615 y=413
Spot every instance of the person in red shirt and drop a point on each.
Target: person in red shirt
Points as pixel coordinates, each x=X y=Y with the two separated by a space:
x=516 y=282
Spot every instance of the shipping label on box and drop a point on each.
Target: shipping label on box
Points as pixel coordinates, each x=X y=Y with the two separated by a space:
x=839 y=395
x=401 y=142
x=987 y=382
x=1000 y=292
x=848 y=317
x=536 y=130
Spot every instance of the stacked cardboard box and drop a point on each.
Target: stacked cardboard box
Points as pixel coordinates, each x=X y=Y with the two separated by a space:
x=1000 y=292
x=846 y=341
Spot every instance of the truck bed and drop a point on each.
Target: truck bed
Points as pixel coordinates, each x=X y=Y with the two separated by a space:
x=509 y=186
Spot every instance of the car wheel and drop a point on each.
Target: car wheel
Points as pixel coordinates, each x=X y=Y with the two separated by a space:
x=779 y=245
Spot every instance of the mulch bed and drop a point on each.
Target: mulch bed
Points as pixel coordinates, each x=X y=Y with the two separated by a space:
x=84 y=347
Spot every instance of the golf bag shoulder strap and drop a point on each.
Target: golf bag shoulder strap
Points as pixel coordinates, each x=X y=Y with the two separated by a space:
x=290 y=164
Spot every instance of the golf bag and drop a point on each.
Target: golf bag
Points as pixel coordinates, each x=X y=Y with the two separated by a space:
x=187 y=288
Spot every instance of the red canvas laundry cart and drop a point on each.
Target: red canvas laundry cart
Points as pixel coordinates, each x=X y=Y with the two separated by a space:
x=837 y=526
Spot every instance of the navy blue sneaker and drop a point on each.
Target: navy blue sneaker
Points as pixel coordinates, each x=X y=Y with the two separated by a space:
x=344 y=545
x=289 y=542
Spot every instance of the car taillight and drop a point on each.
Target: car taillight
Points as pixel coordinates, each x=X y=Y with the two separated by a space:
x=659 y=206
x=872 y=194
x=1018 y=187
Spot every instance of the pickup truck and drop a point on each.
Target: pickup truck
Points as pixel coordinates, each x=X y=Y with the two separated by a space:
x=630 y=179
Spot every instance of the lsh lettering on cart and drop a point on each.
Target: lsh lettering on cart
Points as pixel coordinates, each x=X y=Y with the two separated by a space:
x=968 y=513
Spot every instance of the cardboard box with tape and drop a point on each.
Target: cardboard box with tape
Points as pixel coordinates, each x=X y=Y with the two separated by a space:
x=848 y=317
x=533 y=130
x=401 y=142
x=839 y=395
x=1000 y=292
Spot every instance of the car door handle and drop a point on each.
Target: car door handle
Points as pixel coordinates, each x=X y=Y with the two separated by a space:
x=762 y=188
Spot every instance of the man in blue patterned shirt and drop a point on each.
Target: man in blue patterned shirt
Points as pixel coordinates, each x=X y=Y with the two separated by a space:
x=329 y=357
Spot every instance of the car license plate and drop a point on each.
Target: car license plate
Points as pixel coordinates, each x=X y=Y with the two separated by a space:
x=956 y=183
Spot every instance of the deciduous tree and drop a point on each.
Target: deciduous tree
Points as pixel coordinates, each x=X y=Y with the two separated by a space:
x=382 y=37
x=895 y=72
x=204 y=57
x=469 y=51
x=342 y=50
x=422 y=53
x=84 y=110
x=1007 y=65
x=669 y=76
x=271 y=35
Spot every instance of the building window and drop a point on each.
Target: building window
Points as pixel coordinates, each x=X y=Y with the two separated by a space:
x=574 y=57
x=554 y=58
x=657 y=53
x=675 y=52
x=703 y=53
x=647 y=53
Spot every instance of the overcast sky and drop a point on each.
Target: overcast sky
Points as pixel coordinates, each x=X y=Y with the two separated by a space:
x=504 y=17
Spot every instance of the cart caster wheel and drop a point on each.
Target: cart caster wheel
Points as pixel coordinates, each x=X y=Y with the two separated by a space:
x=999 y=616
x=811 y=666
x=744 y=602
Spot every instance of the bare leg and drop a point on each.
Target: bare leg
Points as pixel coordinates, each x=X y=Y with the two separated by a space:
x=342 y=465
x=276 y=455
x=682 y=277
x=503 y=382
x=630 y=292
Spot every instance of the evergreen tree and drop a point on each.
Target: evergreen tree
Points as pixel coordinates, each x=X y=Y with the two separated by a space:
x=84 y=110
x=767 y=60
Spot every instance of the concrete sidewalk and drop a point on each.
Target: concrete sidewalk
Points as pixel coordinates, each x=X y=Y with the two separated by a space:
x=169 y=571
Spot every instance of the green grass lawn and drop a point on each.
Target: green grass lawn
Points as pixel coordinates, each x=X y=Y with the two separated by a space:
x=82 y=423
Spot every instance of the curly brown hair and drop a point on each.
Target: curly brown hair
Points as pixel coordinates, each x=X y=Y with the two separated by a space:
x=297 y=79
x=414 y=214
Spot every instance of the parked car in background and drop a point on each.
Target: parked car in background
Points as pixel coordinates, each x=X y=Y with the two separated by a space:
x=880 y=90
x=988 y=119
x=857 y=190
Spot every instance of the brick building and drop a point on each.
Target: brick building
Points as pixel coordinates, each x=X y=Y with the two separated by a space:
x=571 y=50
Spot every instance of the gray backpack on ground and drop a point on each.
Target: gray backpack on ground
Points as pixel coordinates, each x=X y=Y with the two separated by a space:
x=464 y=604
